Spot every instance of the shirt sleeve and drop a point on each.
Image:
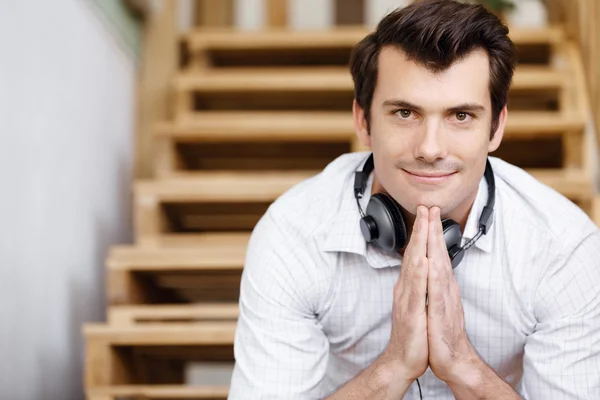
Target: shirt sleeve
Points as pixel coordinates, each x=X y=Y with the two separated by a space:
x=280 y=348
x=562 y=356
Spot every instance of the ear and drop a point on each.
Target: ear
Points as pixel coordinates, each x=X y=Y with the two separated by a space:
x=360 y=125
x=499 y=134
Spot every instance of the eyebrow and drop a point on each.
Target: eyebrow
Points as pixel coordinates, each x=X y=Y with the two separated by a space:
x=471 y=107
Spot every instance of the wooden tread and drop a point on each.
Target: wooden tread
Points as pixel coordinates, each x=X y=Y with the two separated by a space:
x=339 y=37
x=231 y=257
x=329 y=126
x=205 y=334
x=188 y=313
x=203 y=251
x=202 y=273
x=221 y=186
x=158 y=392
x=260 y=126
x=324 y=79
x=209 y=240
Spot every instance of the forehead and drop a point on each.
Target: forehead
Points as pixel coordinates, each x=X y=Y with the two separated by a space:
x=465 y=81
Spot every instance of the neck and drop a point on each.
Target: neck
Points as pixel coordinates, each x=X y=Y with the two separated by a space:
x=460 y=214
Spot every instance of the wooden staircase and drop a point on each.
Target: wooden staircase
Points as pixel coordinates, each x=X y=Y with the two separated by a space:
x=257 y=113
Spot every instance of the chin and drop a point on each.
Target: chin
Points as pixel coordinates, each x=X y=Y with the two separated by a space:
x=411 y=205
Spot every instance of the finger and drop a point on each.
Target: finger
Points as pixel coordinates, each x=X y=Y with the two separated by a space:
x=416 y=251
x=436 y=245
x=415 y=266
x=437 y=255
x=438 y=292
x=417 y=244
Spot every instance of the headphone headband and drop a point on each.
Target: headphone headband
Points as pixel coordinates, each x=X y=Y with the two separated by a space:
x=361 y=177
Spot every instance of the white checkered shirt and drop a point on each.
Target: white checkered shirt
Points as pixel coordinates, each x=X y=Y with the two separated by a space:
x=316 y=300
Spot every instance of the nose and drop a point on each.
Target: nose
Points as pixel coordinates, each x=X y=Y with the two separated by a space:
x=431 y=144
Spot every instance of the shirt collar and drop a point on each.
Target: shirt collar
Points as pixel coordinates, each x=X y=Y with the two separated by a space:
x=345 y=235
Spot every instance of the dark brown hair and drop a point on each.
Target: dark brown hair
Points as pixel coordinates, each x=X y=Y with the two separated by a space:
x=436 y=33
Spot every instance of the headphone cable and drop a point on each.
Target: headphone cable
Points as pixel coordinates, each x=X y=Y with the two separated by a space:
x=472 y=241
x=420 y=393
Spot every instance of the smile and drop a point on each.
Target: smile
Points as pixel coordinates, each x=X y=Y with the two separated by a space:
x=425 y=177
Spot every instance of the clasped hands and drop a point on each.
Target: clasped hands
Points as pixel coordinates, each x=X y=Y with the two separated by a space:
x=431 y=334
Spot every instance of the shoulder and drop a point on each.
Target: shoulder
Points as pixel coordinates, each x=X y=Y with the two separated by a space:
x=531 y=207
x=284 y=250
x=307 y=209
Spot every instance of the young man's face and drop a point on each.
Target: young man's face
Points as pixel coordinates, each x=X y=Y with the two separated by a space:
x=425 y=123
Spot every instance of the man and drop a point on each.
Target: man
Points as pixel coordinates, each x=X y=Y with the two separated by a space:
x=324 y=313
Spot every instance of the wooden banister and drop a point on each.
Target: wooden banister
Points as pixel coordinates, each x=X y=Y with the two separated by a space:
x=158 y=65
x=277 y=13
x=580 y=19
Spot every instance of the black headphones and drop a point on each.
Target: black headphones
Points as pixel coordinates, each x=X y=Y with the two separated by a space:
x=383 y=224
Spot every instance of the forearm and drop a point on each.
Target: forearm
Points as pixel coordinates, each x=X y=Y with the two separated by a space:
x=479 y=381
x=381 y=380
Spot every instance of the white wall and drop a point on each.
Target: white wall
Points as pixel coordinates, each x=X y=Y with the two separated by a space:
x=311 y=14
x=249 y=14
x=66 y=122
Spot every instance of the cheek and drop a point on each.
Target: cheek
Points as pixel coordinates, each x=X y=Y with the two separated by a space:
x=393 y=142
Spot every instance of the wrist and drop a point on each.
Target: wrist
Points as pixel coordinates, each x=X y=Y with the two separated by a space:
x=466 y=370
x=468 y=376
x=469 y=379
x=480 y=381
x=390 y=373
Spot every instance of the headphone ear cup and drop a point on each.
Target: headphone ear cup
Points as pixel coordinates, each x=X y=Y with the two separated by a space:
x=452 y=237
x=390 y=224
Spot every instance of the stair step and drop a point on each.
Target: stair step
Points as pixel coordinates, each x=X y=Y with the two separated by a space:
x=204 y=251
x=226 y=47
x=203 y=268
x=205 y=334
x=260 y=126
x=153 y=352
x=329 y=126
x=188 y=313
x=226 y=258
x=324 y=79
x=221 y=187
x=174 y=284
x=340 y=37
x=158 y=392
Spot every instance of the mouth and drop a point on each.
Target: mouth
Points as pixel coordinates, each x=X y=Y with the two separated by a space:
x=429 y=177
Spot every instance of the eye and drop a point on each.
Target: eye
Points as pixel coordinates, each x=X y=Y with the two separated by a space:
x=461 y=116
x=404 y=113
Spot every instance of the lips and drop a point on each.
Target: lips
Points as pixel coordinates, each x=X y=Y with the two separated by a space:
x=429 y=178
x=429 y=174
